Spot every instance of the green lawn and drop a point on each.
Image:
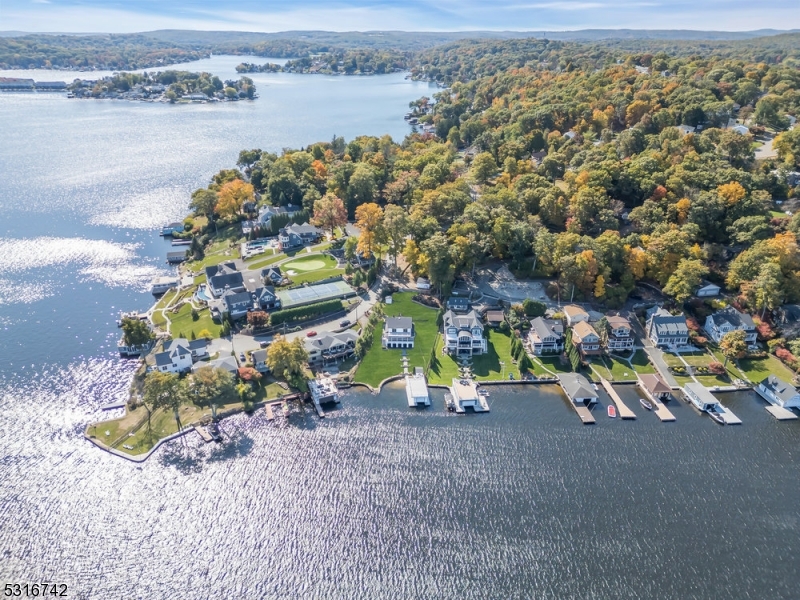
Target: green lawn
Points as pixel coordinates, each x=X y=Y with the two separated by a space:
x=487 y=366
x=552 y=362
x=443 y=368
x=182 y=323
x=265 y=262
x=757 y=369
x=641 y=363
x=378 y=363
x=618 y=369
x=312 y=268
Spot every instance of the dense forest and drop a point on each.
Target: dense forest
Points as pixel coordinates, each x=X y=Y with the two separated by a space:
x=345 y=62
x=579 y=173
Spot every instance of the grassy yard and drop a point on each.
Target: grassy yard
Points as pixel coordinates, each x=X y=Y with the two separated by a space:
x=443 y=368
x=378 y=363
x=757 y=369
x=614 y=369
x=641 y=363
x=265 y=262
x=552 y=363
x=182 y=323
x=312 y=268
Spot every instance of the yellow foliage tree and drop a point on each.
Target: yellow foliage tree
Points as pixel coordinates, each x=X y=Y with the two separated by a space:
x=636 y=261
x=600 y=286
x=232 y=195
x=683 y=206
x=732 y=192
x=369 y=219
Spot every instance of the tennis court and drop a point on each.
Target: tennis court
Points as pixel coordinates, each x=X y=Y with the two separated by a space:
x=314 y=293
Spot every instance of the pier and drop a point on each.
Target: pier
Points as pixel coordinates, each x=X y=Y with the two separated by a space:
x=584 y=413
x=465 y=394
x=662 y=412
x=318 y=408
x=622 y=408
x=728 y=416
x=270 y=414
x=203 y=432
x=780 y=413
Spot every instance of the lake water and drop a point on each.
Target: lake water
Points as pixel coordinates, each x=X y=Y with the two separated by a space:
x=375 y=501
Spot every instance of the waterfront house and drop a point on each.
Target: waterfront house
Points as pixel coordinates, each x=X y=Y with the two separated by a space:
x=176 y=357
x=224 y=277
x=323 y=390
x=297 y=236
x=463 y=334
x=700 y=397
x=458 y=304
x=330 y=348
x=160 y=285
x=546 y=336
x=621 y=336
x=172 y=228
x=777 y=391
x=198 y=348
x=398 y=332
x=575 y=314
x=272 y=275
x=586 y=339
x=707 y=290
x=577 y=388
x=228 y=363
x=666 y=330
x=237 y=304
x=729 y=319
x=177 y=257
x=130 y=351
x=654 y=387
x=259 y=358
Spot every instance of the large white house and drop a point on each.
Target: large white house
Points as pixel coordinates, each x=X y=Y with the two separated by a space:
x=463 y=334
x=777 y=391
x=729 y=319
x=546 y=336
x=329 y=348
x=178 y=355
x=398 y=332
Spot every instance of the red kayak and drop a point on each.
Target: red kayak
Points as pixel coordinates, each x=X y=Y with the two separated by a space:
x=612 y=411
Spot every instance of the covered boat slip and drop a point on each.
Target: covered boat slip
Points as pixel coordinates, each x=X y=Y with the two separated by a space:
x=417 y=389
x=705 y=401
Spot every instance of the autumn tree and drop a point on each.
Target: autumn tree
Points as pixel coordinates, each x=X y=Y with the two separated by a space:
x=329 y=212
x=161 y=390
x=685 y=279
x=257 y=319
x=369 y=220
x=287 y=360
x=232 y=195
x=733 y=345
x=204 y=201
x=212 y=387
x=395 y=223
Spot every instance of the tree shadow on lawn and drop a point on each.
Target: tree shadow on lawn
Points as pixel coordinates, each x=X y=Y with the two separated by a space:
x=483 y=364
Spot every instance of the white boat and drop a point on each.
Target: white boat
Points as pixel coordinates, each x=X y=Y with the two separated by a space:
x=645 y=404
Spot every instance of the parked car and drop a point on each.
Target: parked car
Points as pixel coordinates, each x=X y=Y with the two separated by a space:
x=345 y=323
x=263 y=344
x=242 y=357
x=311 y=334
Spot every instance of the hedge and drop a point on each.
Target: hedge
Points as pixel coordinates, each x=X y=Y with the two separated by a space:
x=304 y=312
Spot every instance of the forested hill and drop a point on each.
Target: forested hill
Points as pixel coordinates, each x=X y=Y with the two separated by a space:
x=158 y=48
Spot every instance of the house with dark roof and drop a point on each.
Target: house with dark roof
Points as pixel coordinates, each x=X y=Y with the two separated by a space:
x=546 y=336
x=776 y=391
x=398 y=332
x=654 y=387
x=272 y=275
x=224 y=277
x=175 y=357
x=329 y=348
x=707 y=290
x=729 y=319
x=227 y=362
x=297 y=236
x=458 y=304
x=666 y=330
x=237 y=304
x=463 y=334
x=259 y=358
x=266 y=298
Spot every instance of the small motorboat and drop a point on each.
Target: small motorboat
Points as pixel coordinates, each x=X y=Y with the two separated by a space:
x=612 y=411
x=645 y=404
x=716 y=416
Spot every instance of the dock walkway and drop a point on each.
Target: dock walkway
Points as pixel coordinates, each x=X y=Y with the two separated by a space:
x=662 y=412
x=318 y=408
x=780 y=413
x=728 y=416
x=622 y=408
x=203 y=432
x=584 y=413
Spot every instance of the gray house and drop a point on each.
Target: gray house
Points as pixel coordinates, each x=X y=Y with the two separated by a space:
x=237 y=304
x=729 y=319
x=666 y=330
x=546 y=336
x=777 y=391
x=577 y=388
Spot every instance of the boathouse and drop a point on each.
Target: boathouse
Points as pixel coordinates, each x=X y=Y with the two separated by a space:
x=577 y=388
x=700 y=397
x=776 y=391
x=654 y=387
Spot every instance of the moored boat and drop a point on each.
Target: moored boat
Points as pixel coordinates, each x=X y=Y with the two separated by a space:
x=716 y=416
x=645 y=404
x=612 y=411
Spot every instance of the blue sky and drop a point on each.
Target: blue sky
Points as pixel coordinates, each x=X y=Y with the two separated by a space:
x=410 y=15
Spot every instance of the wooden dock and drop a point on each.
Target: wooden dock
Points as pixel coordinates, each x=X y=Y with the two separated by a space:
x=270 y=414
x=622 y=408
x=203 y=432
x=318 y=408
x=662 y=412
x=728 y=416
x=584 y=413
x=780 y=413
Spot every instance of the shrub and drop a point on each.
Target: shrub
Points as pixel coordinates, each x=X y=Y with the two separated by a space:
x=534 y=308
x=504 y=327
x=775 y=343
x=765 y=332
x=717 y=368
x=692 y=324
x=289 y=315
x=785 y=355
x=700 y=341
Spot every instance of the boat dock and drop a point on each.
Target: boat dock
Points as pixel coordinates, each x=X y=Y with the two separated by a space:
x=584 y=413
x=662 y=412
x=622 y=408
x=417 y=389
x=270 y=414
x=203 y=432
x=318 y=408
x=465 y=394
x=780 y=413
x=728 y=416
x=113 y=405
